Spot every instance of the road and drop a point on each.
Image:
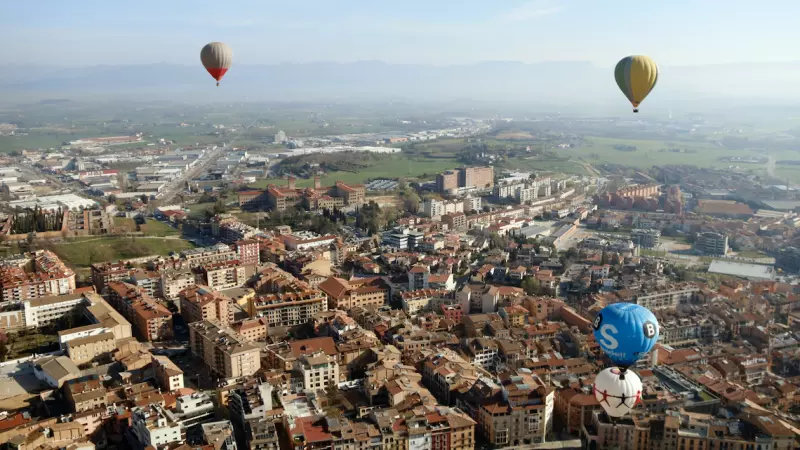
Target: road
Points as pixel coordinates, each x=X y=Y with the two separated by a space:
x=203 y=164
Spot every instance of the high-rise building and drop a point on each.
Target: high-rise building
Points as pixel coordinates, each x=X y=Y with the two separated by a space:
x=447 y=181
x=451 y=181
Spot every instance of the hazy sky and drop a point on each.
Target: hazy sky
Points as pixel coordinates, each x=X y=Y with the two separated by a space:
x=674 y=32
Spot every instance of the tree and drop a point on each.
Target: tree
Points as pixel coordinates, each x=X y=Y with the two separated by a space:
x=412 y=201
x=531 y=286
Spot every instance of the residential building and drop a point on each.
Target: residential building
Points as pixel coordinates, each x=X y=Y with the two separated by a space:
x=153 y=320
x=447 y=181
x=646 y=238
x=219 y=434
x=85 y=394
x=153 y=428
x=198 y=257
x=317 y=371
x=345 y=295
x=248 y=403
x=288 y=309
x=173 y=282
x=222 y=350
x=715 y=244
x=168 y=375
x=418 y=301
x=148 y=281
x=95 y=348
x=202 y=303
x=45 y=311
x=521 y=413
x=103 y=273
x=435 y=209
x=248 y=252
x=35 y=275
x=418 y=277
x=222 y=275
x=455 y=221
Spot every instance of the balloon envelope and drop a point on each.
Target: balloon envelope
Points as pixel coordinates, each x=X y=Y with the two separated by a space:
x=636 y=76
x=625 y=332
x=617 y=394
x=216 y=58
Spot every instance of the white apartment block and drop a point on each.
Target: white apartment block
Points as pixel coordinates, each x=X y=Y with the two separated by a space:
x=152 y=428
x=40 y=312
x=318 y=371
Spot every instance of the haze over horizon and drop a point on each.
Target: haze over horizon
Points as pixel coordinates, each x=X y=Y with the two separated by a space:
x=678 y=33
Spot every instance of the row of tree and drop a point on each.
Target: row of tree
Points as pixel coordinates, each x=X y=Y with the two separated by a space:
x=36 y=220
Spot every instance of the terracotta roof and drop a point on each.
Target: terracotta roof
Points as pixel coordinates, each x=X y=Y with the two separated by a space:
x=309 y=346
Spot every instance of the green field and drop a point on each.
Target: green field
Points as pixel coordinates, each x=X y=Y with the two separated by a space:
x=157 y=228
x=391 y=167
x=84 y=252
x=650 y=152
x=152 y=227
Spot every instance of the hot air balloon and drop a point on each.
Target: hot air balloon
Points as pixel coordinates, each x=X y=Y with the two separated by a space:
x=625 y=332
x=636 y=76
x=216 y=58
x=617 y=391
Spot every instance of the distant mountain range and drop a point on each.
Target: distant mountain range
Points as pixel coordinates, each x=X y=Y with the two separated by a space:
x=551 y=82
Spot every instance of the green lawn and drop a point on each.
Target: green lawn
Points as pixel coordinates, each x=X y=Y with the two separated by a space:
x=156 y=228
x=197 y=210
x=84 y=252
x=392 y=167
x=152 y=227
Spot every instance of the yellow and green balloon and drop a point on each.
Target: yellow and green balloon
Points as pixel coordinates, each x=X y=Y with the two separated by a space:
x=636 y=76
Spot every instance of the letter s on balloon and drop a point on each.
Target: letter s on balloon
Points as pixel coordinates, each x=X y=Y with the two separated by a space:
x=610 y=342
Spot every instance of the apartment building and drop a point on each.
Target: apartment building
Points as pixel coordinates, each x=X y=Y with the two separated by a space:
x=523 y=414
x=153 y=428
x=248 y=252
x=96 y=348
x=153 y=320
x=208 y=255
x=168 y=375
x=44 y=311
x=148 y=281
x=248 y=403
x=714 y=244
x=202 y=303
x=317 y=371
x=288 y=309
x=455 y=221
x=173 y=282
x=35 y=275
x=103 y=273
x=85 y=394
x=224 y=352
x=221 y=275
x=345 y=295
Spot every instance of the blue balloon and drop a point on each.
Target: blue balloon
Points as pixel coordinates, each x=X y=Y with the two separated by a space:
x=625 y=332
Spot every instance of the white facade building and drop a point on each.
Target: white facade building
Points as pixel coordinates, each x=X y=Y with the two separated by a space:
x=152 y=428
